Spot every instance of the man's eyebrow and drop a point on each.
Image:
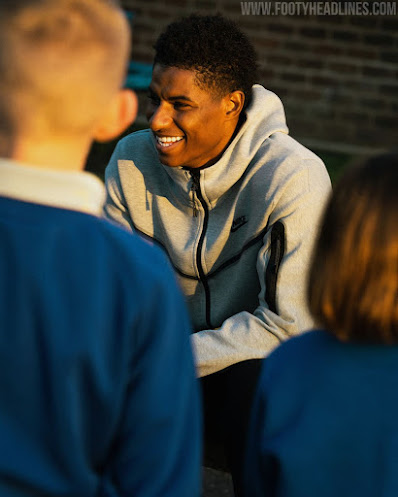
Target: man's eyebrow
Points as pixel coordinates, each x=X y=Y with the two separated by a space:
x=173 y=98
x=181 y=97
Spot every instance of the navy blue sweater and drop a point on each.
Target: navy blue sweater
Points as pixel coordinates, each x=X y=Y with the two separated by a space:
x=325 y=421
x=97 y=385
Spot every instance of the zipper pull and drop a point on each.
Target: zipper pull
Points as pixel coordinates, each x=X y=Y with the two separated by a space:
x=194 y=209
x=194 y=189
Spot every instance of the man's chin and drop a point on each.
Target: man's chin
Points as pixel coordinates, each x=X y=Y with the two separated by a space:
x=168 y=161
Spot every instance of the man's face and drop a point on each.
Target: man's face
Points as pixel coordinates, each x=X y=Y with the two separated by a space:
x=189 y=123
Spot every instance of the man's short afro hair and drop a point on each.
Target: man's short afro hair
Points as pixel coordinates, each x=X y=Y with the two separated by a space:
x=215 y=48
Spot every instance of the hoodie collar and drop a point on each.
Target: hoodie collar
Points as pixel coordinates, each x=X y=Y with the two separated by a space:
x=264 y=116
x=73 y=190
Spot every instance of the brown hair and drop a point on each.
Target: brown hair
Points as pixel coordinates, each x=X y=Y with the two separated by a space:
x=59 y=63
x=353 y=281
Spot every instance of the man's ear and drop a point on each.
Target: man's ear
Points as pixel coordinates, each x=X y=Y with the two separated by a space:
x=234 y=104
x=121 y=112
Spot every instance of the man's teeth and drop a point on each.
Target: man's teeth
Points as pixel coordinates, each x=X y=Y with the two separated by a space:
x=166 y=141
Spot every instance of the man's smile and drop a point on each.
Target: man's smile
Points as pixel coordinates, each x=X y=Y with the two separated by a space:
x=167 y=141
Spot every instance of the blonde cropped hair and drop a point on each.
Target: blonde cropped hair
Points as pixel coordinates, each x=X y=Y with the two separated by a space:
x=60 y=61
x=353 y=283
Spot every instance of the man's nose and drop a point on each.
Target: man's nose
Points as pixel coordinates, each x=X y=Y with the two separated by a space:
x=161 y=117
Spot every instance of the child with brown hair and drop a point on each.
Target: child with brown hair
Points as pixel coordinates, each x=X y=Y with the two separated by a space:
x=324 y=423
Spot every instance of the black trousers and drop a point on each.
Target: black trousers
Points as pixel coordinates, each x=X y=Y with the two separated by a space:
x=227 y=399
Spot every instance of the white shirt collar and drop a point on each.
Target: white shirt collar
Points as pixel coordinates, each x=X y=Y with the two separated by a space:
x=74 y=190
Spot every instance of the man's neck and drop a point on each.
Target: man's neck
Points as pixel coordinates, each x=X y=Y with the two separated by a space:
x=242 y=119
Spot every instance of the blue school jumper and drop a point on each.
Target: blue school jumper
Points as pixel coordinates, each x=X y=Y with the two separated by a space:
x=98 y=395
x=325 y=421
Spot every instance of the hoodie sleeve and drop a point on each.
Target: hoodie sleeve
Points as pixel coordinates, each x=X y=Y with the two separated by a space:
x=282 y=266
x=115 y=207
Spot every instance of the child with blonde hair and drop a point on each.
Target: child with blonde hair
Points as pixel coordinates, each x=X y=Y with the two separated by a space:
x=97 y=384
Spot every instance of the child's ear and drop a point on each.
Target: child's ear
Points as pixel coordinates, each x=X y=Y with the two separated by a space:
x=121 y=112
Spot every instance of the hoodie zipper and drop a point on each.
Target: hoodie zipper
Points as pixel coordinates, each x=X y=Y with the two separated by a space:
x=195 y=174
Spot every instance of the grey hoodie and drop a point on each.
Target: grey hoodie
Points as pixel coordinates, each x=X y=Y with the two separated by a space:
x=239 y=233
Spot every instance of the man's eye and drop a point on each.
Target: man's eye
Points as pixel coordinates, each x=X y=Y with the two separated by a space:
x=180 y=105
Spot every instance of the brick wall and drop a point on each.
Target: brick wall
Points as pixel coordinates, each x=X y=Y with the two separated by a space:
x=336 y=75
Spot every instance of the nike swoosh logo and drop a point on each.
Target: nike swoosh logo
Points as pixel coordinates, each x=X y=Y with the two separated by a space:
x=236 y=226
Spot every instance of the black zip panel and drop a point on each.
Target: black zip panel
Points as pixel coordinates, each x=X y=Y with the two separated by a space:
x=276 y=256
x=202 y=277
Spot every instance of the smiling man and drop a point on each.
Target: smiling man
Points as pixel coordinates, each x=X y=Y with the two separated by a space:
x=233 y=200
x=191 y=125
